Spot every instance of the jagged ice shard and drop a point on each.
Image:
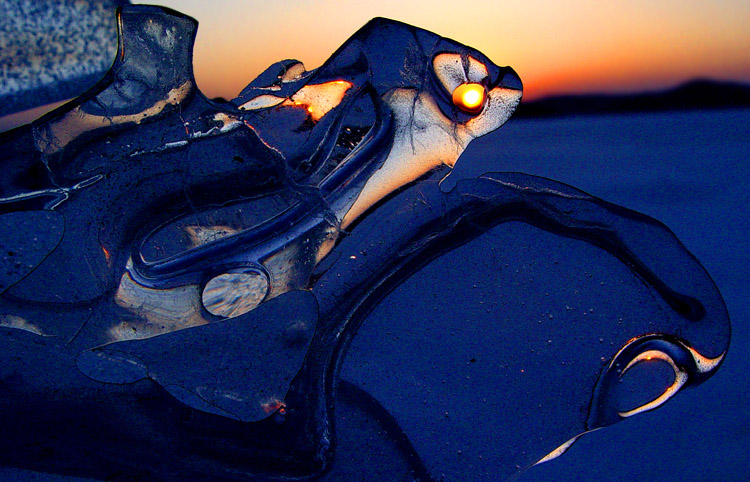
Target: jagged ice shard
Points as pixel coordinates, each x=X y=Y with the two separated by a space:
x=277 y=287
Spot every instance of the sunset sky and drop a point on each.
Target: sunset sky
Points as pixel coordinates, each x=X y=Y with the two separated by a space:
x=555 y=46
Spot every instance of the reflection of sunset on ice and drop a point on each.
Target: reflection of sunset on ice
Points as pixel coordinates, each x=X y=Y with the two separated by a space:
x=274 y=405
x=317 y=99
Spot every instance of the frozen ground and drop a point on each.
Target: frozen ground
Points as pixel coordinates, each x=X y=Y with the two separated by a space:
x=690 y=171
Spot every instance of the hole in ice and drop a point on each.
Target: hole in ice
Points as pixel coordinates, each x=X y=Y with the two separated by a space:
x=642 y=383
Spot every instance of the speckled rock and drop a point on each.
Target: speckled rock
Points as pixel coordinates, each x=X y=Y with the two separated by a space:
x=52 y=50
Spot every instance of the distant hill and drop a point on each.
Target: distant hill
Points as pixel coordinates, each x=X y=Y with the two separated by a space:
x=696 y=94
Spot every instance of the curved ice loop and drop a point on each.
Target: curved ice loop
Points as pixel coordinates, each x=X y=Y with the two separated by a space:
x=680 y=378
x=686 y=366
x=529 y=338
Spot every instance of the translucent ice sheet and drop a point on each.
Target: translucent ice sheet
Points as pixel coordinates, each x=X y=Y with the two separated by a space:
x=278 y=287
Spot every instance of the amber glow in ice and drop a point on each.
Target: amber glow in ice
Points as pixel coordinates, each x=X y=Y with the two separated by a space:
x=469 y=97
x=680 y=378
x=319 y=99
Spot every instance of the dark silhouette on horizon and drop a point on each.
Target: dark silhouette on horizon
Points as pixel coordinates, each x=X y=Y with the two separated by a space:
x=694 y=94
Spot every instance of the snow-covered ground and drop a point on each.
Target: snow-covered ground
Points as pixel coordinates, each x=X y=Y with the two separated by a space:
x=690 y=170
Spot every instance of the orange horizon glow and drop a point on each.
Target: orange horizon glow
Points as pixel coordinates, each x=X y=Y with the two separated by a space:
x=557 y=48
x=579 y=46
